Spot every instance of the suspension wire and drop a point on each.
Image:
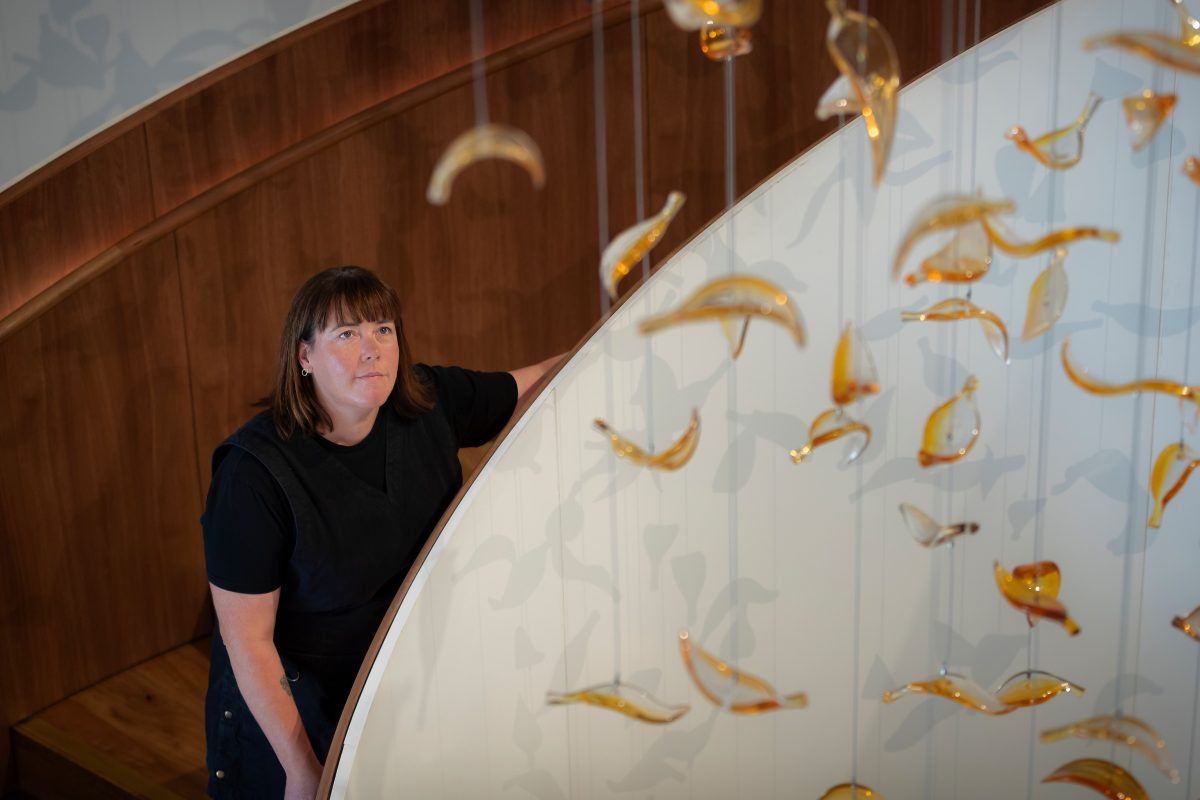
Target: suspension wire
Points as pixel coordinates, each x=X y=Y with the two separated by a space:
x=1187 y=347
x=639 y=199
x=730 y=198
x=478 y=67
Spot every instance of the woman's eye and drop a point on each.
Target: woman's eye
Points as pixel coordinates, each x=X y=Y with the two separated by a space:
x=385 y=329
x=345 y=334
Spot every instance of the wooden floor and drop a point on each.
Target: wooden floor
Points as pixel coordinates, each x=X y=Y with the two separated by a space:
x=137 y=734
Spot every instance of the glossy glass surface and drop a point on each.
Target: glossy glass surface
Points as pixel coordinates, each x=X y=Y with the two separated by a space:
x=731 y=689
x=929 y=532
x=829 y=426
x=1033 y=589
x=632 y=701
x=1034 y=687
x=691 y=15
x=1120 y=729
x=1180 y=52
x=957 y=308
x=1091 y=386
x=1100 y=776
x=1004 y=239
x=854 y=373
x=955 y=688
x=1191 y=168
x=723 y=42
x=1172 y=469
x=479 y=144
x=943 y=214
x=1047 y=298
x=1144 y=115
x=1189 y=624
x=1062 y=148
x=952 y=429
x=732 y=300
x=851 y=791
x=628 y=247
x=838 y=99
x=673 y=458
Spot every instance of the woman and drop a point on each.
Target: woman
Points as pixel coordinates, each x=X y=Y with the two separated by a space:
x=318 y=507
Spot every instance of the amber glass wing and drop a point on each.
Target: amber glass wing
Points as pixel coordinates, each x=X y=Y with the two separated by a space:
x=1047 y=298
x=1172 y=469
x=829 y=426
x=1062 y=148
x=1100 y=776
x=691 y=15
x=854 y=373
x=1120 y=729
x=630 y=245
x=864 y=54
x=723 y=42
x=956 y=688
x=1033 y=589
x=952 y=428
x=838 y=99
x=1191 y=168
x=1090 y=386
x=1178 y=53
x=632 y=701
x=851 y=791
x=1034 y=687
x=1189 y=624
x=1144 y=115
x=731 y=689
x=478 y=144
x=957 y=308
x=948 y=213
x=673 y=458
x=929 y=532
x=1004 y=239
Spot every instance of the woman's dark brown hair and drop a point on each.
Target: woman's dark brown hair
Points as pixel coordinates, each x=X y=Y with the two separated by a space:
x=350 y=294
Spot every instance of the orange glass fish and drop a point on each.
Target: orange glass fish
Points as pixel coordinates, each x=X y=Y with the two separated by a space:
x=948 y=213
x=626 y=699
x=1033 y=589
x=1003 y=238
x=929 y=532
x=952 y=428
x=1080 y=379
x=851 y=791
x=1100 y=776
x=723 y=42
x=1189 y=624
x=1180 y=52
x=1034 y=687
x=481 y=143
x=1172 y=469
x=957 y=308
x=1057 y=149
x=729 y=688
x=1191 y=168
x=956 y=688
x=673 y=458
x=829 y=426
x=1144 y=115
x=854 y=373
x=630 y=245
x=1120 y=729
x=691 y=15
x=1047 y=298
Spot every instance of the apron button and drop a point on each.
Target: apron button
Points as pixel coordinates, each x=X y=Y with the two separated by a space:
x=220 y=774
x=228 y=715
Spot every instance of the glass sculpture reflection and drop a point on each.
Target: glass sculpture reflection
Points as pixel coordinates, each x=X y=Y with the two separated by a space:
x=1101 y=776
x=929 y=532
x=630 y=245
x=854 y=373
x=851 y=791
x=1003 y=238
x=829 y=426
x=667 y=460
x=1144 y=115
x=1189 y=624
x=1180 y=52
x=723 y=42
x=1058 y=149
x=1191 y=168
x=948 y=213
x=864 y=54
x=480 y=143
x=957 y=308
x=952 y=428
x=737 y=298
x=1033 y=589
x=1047 y=298
x=1172 y=469
x=1120 y=729
x=1091 y=386
x=731 y=689
x=622 y=698
x=691 y=15
x=1034 y=687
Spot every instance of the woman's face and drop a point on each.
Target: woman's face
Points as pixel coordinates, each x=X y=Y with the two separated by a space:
x=353 y=367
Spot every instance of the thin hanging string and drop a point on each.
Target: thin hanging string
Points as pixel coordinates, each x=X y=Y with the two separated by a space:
x=1187 y=347
x=478 y=71
x=1192 y=748
x=730 y=197
x=639 y=188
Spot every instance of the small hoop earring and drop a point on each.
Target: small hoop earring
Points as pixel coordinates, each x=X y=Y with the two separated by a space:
x=304 y=373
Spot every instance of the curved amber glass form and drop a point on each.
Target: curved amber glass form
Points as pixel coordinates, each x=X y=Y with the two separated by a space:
x=691 y=15
x=851 y=791
x=1058 y=149
x=1189 y=624
x=1033 y=589
x=1034 y=687
x=1090 y=386
x=668 y=460
x=632 y=701
x=952 y=428
x=1003 y=238
x=630 y=245
x=1191 y=168
x=480 y=143
x=838 y=99
x=957 y=308
x=1120 y=729
x=1181 y=52
x=1172 y=469
x=1101 y=776
x=736 y=298
x=863 y=52
x=723 y=42
x=956 y=688
x=929 y=532
x=1145 y=114
x=829 y=426
x=854 y=373
x=1047 y=298
x=943 y=214
x=729 y=688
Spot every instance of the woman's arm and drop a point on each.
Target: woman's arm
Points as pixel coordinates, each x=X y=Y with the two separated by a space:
x=528 y=377
x=248 y=626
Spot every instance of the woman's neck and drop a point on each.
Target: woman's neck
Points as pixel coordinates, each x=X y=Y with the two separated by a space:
x=351 y=431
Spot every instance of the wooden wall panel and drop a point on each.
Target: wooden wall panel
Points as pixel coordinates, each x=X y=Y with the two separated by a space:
x=54 y=227
x=100 y=557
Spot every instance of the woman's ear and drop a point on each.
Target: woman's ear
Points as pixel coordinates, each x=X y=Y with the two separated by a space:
x=302 y=355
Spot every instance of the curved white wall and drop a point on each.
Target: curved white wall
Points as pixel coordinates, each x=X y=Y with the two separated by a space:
x=834 y=596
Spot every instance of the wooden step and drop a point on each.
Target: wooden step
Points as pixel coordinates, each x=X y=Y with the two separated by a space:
x=139 y=733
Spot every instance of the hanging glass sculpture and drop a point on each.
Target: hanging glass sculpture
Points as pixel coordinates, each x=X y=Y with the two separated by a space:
x=1057 y=149
x=691 y=15
x=1191 y=168
x=854 y=373
x=829 y=426
x=851 y=791
x=1172 y=469
x=1189 y=624
x=1033 y=687
x=1101 y=776
x=731 y=689
x=480 y=143
x=667 y=460
x=947 y=213
x=929 y=532
x=1180 y=52
x=1144 y=115
x=957 y=308
x=723 y=42
x=952 y=428
x=630 y=245
x=1021 y=690
x=1003 y=238
x=1033 y=589
x=1047 y=298
x=865 y=56
x=838 y=99
x=737 y=298
x=1120 y=729
x=1172 y=388
x=622 y=698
